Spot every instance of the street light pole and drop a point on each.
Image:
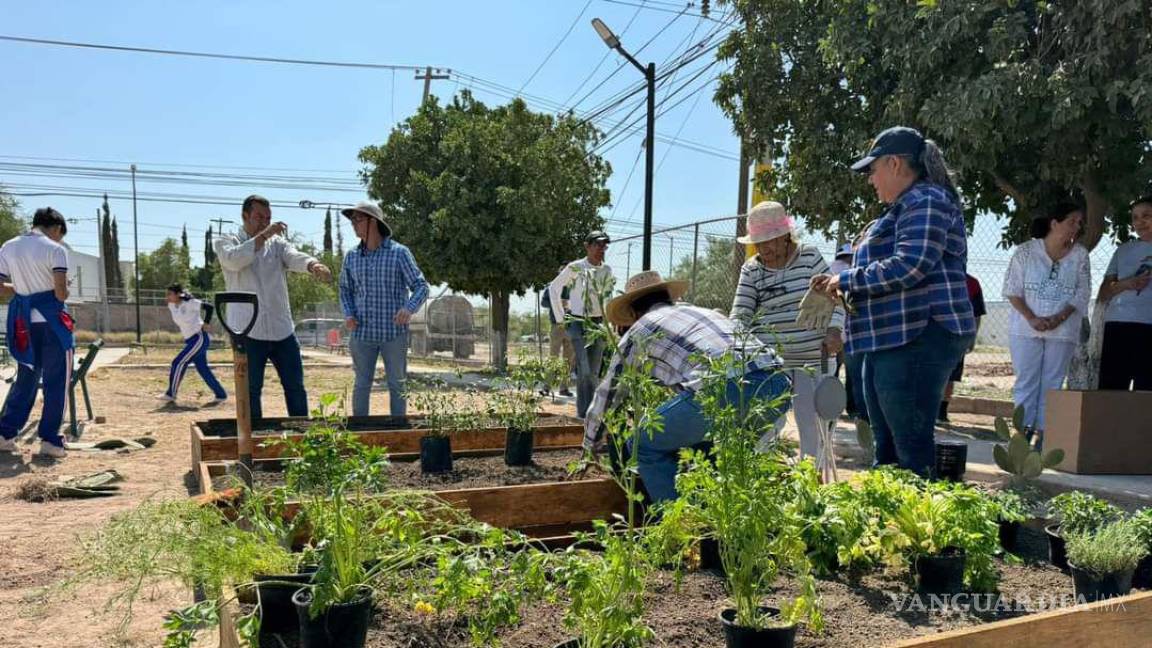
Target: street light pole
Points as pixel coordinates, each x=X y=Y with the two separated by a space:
x=649 y=71
x=136 y=262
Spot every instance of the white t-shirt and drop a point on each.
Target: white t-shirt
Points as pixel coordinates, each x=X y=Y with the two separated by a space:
x=591 y=285
x=30 y=261
x=186 y=314
x=1129 y=306
x=1048 y=286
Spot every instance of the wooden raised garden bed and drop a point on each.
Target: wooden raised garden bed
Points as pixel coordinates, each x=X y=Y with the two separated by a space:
x=215 y=439
x=550 y=511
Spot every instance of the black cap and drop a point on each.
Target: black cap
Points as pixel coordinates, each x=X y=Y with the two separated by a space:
x=898 y=140
x=596 y=236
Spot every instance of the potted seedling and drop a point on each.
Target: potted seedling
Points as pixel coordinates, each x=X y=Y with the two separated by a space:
x=1012 y=510
x=742 y=497
x=517 y=410
x=1104 y=559
x=263 y=515
x=1142 y=521
x=446 y=413
x=949 y=535
x=1076 y=512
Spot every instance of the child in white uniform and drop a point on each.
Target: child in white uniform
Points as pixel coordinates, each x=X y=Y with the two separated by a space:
x=186 y=313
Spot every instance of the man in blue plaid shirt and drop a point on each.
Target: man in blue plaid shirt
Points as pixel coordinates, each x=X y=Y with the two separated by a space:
x=676 y=337
x=380 y=288
x=907 y=285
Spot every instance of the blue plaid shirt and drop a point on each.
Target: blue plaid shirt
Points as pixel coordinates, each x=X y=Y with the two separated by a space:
x=909 y=269
x=375 y=284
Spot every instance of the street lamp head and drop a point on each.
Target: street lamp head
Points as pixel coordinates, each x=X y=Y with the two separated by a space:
x=307 y=204
x=605 y=34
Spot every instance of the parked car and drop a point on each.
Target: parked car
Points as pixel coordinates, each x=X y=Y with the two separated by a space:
x=314 y=332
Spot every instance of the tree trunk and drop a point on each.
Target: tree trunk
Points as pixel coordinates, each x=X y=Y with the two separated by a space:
x=499 y=313
x=1095 y=211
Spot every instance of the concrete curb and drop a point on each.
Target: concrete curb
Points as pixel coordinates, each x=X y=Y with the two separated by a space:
x=982 y=406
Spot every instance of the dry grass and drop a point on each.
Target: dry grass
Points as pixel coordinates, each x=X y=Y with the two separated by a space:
x=35 y=489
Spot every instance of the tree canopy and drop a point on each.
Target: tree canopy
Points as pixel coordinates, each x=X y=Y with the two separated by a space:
x=165 y=265
x=1031 y=100
x=490 y=200
x=11 y=224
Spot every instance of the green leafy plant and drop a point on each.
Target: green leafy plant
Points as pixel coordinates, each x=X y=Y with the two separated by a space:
x=1017 y=457
x=543 y=372
x=741 y=498
x=1080 y=512
x=447 y=411
x=1112 y=548
x=1010 y=506
x=1142 y=522
x=943 y=515
x=516 y=409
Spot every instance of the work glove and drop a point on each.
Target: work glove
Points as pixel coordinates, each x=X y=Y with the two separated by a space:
x=815 y=310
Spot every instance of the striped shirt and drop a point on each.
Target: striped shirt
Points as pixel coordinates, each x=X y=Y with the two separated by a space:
x=768 y=301
x=375 y=285
x=674 y=338
x=909 y=268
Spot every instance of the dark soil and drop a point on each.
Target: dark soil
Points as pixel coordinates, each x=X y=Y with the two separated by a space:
x=467 y=472
x=859 y=611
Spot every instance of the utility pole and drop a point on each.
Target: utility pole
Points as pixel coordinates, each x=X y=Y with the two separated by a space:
x=220 y=224
x=739 y=252
x=649 y=161
x=428 y=78
x=136 y=261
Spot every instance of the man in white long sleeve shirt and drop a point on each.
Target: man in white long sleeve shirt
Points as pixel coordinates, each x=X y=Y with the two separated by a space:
x=255 y=259
x=591 y=283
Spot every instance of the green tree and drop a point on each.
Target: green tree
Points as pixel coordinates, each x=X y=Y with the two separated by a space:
x=164 y=265
x=1031 y=100
x=304 y=290
x=711 y=280
x=11 y=224
x=490 y=200
x=110 y=251
x=184 y=240
x=328 y=231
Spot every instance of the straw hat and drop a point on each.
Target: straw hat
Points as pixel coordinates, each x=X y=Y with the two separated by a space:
x=620 y=312
x=766 y=221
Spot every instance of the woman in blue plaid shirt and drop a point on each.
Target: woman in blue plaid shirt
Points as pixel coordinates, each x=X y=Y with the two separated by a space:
x=912 y=318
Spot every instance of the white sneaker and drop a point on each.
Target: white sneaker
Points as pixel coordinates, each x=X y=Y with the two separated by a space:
x=166 y=398
x=8 y=445
x=218 y=401
x=50 y=450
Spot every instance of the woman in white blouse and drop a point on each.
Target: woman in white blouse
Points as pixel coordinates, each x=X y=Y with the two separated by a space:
x=1049 y=285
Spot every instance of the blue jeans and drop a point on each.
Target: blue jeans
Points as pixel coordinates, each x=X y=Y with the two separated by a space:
x=588 y=360
x=53 y=364
x=903 y=388
x=684 y=425
x=854 y=378
x=285 y=357
x=195 y=352
x=364 y=354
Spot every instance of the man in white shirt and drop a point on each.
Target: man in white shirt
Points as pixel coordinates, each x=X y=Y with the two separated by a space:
x=255 y=259
x=34 y=272
x=590 y=281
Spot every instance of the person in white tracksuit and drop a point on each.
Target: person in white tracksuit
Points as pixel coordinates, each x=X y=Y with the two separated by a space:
x=186 y=313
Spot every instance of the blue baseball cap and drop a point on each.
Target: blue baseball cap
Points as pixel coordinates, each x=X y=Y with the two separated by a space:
x=898 y=140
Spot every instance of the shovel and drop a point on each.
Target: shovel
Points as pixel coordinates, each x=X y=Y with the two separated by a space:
x=831 y=398
x=240 y=374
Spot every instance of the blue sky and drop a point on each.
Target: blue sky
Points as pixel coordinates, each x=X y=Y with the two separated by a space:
x=162 y=111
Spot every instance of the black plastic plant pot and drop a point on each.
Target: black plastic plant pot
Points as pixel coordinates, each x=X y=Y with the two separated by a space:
x=942 y=573
x=951 y=460
x=571 y=643
x=1009 y=535
x=1090 y=586
x=1057 y=553
x=435 y=454
x=274 y=592
x=710 y=555
x=736 y=636
x=518 y=447
x=1143 y=576
x=343 y=625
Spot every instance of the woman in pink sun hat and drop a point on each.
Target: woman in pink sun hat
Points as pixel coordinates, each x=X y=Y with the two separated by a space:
x=767 y=302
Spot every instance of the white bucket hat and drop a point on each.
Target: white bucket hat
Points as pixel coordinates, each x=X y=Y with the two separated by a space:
x=620 y=312
x=766 y=221
x=369 y=209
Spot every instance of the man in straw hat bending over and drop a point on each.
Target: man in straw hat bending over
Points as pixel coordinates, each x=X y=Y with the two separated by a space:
x=675 y=336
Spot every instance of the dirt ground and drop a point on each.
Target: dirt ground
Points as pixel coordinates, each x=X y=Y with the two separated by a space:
x=38 y=538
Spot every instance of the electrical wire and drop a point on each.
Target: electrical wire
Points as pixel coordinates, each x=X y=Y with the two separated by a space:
x=555 y=47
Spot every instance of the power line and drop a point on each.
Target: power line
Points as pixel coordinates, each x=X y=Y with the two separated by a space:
x=555 y=47
x=603 y=58
x=210 y=55
x=686 y=6
x=173 y=164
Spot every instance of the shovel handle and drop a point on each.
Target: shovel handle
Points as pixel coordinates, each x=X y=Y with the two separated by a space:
x=237 y=297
